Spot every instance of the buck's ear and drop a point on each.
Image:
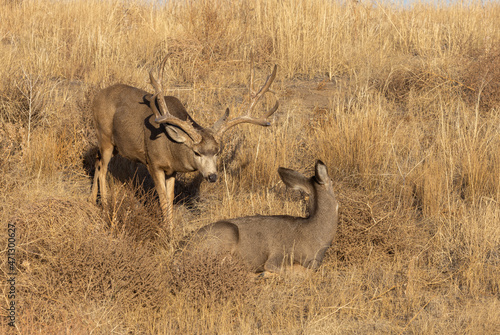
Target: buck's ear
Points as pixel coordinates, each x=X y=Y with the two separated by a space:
x=295 y=180
x=177 y=134
x=321 y=176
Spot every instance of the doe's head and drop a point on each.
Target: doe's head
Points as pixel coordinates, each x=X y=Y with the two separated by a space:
x=318 y=185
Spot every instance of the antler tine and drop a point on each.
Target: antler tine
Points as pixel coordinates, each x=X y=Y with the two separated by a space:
x=156 y=85
x=222 y=120
x=161 y=67
x=163 y=115
x=222 y=125
x=272 y=110
x=152 y=104
x=163 y=112
x=264 y=89
x=159 y=89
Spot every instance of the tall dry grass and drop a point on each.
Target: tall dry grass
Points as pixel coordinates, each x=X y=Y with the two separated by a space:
x=401 y=104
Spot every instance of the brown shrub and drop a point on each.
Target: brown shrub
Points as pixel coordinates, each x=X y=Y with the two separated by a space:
x=481 y=78
x=66 y=258
x=371 y=228
x=473 y=76
x=205 y=279
x=133 y=210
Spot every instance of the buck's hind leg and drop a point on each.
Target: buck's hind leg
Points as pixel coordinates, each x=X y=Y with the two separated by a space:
x=101 y=170
x=106 y=154
x=93 y=196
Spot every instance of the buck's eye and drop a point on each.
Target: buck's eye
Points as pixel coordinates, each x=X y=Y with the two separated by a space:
x=197 y=154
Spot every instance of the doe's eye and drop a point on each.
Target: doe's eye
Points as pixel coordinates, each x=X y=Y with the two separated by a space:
x=197 y=154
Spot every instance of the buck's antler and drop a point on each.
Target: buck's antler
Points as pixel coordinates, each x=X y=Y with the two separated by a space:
x=222 y=124
x=164 y=116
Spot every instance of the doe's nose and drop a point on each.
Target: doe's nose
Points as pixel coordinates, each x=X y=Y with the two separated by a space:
x=212 y=178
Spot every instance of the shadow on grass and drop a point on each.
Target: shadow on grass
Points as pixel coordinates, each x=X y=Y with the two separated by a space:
x=136 y=174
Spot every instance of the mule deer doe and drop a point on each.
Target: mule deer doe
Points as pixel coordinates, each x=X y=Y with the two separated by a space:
x=270 y=243
x=157 y=131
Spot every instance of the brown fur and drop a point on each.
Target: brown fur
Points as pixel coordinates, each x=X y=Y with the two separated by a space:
x=128 y=122
x=273 y=243
x=125 y=123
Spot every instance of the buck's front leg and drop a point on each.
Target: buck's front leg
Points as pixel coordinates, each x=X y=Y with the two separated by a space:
x=165 y=189
x=168 y=210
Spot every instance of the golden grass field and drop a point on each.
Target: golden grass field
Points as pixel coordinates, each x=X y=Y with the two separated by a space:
x=403 y=105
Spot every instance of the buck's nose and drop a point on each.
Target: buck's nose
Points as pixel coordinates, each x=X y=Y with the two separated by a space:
x=212 y=178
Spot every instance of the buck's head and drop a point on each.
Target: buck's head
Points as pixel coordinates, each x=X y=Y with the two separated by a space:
x=205 y=142
x=205 y=156
x=202 y=147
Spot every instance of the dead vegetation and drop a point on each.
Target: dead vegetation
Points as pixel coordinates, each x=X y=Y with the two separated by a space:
x=401 y=105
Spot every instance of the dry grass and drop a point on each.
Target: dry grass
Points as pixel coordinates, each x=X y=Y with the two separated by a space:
x=402 y=105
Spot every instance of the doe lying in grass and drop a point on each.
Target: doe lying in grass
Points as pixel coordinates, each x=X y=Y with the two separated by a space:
x=272 y=243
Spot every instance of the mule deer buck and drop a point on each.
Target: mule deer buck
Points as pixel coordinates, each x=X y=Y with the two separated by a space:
x=271 y=244
x=157 y=131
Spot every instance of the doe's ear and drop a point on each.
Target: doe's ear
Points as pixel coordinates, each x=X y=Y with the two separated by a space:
x=177 y=134
x=295 y=180
x=321 y=173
